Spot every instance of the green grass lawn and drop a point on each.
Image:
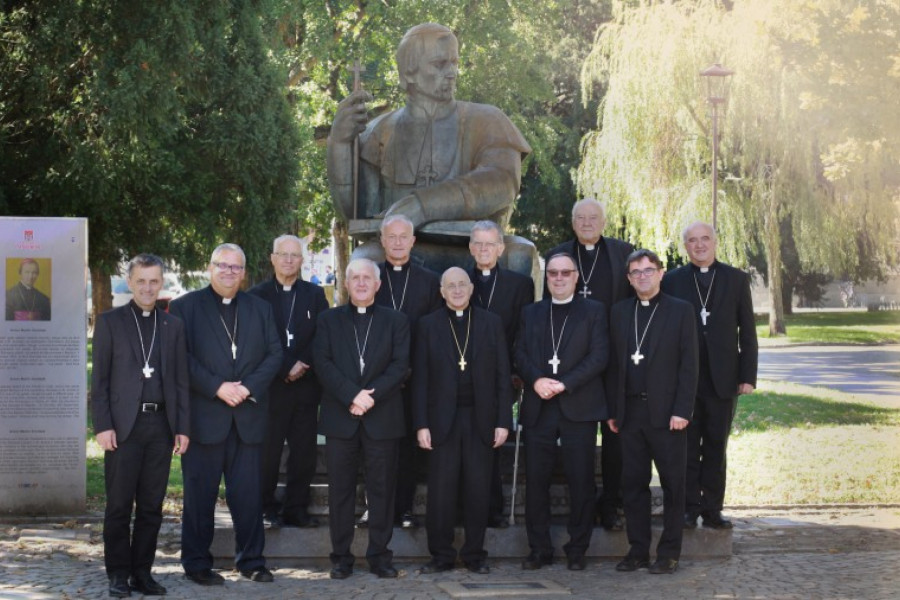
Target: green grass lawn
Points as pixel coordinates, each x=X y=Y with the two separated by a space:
x=857 y=327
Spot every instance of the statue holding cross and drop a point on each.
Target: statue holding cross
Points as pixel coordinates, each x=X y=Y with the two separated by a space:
x=441 y=162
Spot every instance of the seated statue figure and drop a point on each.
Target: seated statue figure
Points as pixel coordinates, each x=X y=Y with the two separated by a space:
x=441 y=162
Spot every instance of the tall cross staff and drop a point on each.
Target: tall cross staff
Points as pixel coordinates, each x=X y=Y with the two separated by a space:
x=357 y=85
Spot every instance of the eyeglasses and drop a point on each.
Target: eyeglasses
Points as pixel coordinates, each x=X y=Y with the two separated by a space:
x=226 y=267
x=482 y=245
x=639 y=273
x=287 y=255
x=453 y=287
x=560 y=272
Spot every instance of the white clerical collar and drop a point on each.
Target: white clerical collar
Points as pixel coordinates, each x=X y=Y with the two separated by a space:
x=704 y=269
x=362 y=309
x=645 y=303
x=486 y=272
x=227 y=301
x=563 y=301
x=145 y=313
x=460 y=313
x=286 y=288
x=589 y=247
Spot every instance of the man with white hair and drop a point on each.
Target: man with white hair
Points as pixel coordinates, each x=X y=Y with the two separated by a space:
x=362 y=359
x=600 y=262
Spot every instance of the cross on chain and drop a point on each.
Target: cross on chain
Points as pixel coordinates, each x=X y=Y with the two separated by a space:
x=147 y=371
x=290 y=338
x=586 y=292
x=462 y=363
x=554 y=362
x=703 y=314
x=637 y=356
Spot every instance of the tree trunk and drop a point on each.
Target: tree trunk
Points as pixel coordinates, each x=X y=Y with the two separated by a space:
x=773 y=250
x=101 y=294
x=341 y=260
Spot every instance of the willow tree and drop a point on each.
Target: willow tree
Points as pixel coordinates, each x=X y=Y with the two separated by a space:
x=810 y=133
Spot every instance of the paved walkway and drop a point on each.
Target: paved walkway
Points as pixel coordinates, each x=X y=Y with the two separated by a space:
x=797 y=554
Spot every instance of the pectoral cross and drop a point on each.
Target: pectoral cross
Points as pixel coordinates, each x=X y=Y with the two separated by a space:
x=703 y=314
x=290 y=338
x=637 y=356
x=586 y=292
x=233 y=351
x=554 y=362
x=362 y=365
x=462 y=363
x=429 y=174
x=147 y=370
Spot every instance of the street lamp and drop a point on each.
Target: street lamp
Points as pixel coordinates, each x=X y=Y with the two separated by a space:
x=718 y=78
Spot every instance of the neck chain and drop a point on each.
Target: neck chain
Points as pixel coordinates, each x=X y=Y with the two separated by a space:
x=391 y=286
x=554 y=343
x=231 y=338
x=493 y=287
x=288 y=336
x=362 y=351
x=637 y=356
x=703 y=301
x=586 y=279
x=33 y=298
x=147 y=370
x=462 y=352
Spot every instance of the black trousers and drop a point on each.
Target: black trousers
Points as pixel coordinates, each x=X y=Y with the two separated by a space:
x=137 y=473
x=461 y=462
x=643 y=444
x=343 y=459
x=578 y=444
x=707 y=442
x=293 y=414
x=412 y=462
x=611 y=464
x=203 y=466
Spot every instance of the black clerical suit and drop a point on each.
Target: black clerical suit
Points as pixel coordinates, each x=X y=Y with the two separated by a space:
x=643 y=397
x=226 y=440
x=415 y=291
x=146 y=414
x=602 y=271
x=460 y=407
x=504 y=293
x=728 y=357
x=379 y=338
x=24 y=304
x=582 y=342
x=293 y=406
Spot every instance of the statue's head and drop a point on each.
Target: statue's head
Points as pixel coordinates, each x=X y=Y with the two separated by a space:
x=428 y=61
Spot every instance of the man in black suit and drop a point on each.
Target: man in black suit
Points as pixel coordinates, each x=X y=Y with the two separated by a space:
x=362 y=359
x=651 y=382
x=140 y=401
x=561 y=350
x=729 y=354
x=601 y=271
x=504 y=293
x=414 y=291
x=461 y=410
x=295 y=392
x=234 y=353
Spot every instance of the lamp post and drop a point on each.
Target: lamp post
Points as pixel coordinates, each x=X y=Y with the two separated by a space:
x=717 y=82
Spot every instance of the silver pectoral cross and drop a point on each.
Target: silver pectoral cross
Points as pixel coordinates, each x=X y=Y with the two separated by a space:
x=462 y=363
x=362 y=365
x=554 y=362
x=637 y=356
x=290 y=338
x=586 y=292
x=233 y=351
x=148 y=370
x=703 y=314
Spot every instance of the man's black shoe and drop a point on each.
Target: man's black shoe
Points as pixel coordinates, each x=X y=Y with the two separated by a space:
x=206 y=577
x=384 y=572
x=498 y=522
x=536 y=561
x=611 y=521
x=478 y=567
x=272 y=521
x=407 y=521
x=341 y=572
x=363 y=521
x=663 y=566
x=259 y=575
x=690 y=521
x=435 y=566
x=576 y=562
x=714 y=520
x=146 y=585
x=118 y=586
x=302 y=521
x=632 y=563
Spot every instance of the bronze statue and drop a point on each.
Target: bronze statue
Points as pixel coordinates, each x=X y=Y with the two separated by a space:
x=441 y=162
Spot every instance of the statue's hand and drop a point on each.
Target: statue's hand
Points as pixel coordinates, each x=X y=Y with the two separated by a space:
x=409 y=206
x=351 y=117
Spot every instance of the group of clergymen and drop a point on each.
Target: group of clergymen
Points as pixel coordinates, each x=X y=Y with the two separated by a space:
x=414 y=363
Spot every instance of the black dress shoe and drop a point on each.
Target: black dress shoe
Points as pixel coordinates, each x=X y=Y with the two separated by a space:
x=118 y=586
x=611 y=521
x=478 y=567
x=272 y=521
x=714 y=520
x=407 y=521
x=363 y=521
x=664 y=566
x=302 y=521
x=536 y=561
x=690 y=521
x=206 y=577
x=259 y=575
x=384 y=572
x=341 y=572
x=498 y=522
x=576 y=562
x=632 y=563
x=435 y=566
x=146 y=585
